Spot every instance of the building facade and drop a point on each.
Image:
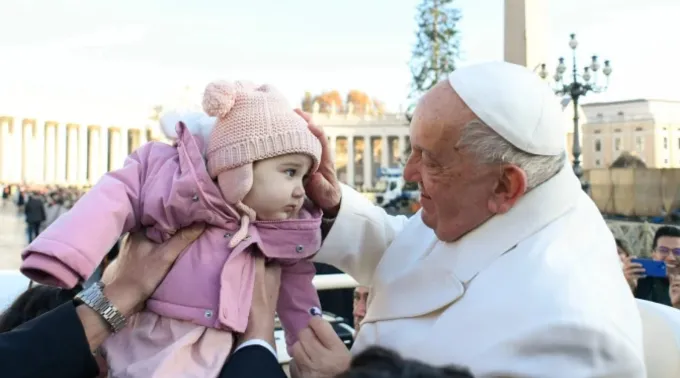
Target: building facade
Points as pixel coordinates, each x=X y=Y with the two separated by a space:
x=47 y=152
x=649 y=129
x=362 y=144
x=34 y=151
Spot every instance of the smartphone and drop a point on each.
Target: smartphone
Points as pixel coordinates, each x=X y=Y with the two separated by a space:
x=653 y=268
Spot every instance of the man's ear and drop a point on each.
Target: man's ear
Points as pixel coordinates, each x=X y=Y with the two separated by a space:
x=510 y=187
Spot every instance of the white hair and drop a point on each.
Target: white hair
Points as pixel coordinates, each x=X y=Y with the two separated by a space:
x=490 y=148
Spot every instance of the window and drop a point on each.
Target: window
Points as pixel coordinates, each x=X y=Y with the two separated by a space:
x=597 y=162
x=665 y=143
x=617 y=144
x=639 y=144
x=598 y=145
x=678 y=142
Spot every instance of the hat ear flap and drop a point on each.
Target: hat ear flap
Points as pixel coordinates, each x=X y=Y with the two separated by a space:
x=236 y=183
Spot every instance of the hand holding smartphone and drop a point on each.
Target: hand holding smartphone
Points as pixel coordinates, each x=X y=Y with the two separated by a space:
x=652 y=268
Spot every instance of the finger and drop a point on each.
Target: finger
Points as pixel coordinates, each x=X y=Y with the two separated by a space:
x=309 y=342
x=174 y=246
x=325 y=333
x=300 y=355
x=321 y=136
x=306 y=116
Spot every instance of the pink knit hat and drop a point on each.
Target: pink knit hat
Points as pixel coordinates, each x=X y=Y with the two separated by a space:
x=252 y=123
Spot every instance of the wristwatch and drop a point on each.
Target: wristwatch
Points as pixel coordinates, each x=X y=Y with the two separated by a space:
x=94 y=298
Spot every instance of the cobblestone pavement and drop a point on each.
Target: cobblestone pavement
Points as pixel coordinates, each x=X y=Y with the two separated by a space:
x=12 y=237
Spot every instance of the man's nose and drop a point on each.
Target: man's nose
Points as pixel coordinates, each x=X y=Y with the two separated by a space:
x=411 y=173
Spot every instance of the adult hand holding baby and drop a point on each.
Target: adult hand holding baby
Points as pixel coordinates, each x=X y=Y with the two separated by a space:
x=142 y=265
x=323 y=187
x=134 y=276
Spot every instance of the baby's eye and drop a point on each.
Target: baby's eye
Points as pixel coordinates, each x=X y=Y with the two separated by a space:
x=291 y=172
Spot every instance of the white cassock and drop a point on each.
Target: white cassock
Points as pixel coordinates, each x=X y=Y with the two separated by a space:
x=536 y=292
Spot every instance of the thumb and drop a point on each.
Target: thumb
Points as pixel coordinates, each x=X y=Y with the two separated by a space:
x=176 y=244
x=324 y=332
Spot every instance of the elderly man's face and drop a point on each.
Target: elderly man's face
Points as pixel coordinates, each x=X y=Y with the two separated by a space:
x=457 y=193
x=359 y=305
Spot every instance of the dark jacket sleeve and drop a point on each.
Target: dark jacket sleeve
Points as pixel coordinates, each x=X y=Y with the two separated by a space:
x=252 y=361
x=52 y=345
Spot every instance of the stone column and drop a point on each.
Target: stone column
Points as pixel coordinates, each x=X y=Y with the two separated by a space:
x=332 y=142
x=18 y=149
x=142 y=136
x=5 y=150
x=61 y=153
x=103 y=151
x=50 y=158
x=72 y=154
x=82 y=154
x=124 y=148
x=38 y=167
x=27 y=152
x=368 y=162
x=526 y=32
x=385 y=151
x=93 y=154
x=402 y=149
x=115 y=149
x=350 y=160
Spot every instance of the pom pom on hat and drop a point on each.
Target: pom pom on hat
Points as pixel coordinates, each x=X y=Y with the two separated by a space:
x=219 y=98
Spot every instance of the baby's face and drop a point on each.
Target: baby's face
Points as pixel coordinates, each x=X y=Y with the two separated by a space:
x=278 y=186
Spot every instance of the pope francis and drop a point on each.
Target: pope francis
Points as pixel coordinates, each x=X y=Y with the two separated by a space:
x=508 y=268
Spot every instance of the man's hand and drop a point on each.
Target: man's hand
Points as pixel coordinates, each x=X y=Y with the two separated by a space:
x=674 y=290
x=133 y=277
x=632 y=271
x=141 y=266
x=319 y=353
x=323 y=187
x=263 y=308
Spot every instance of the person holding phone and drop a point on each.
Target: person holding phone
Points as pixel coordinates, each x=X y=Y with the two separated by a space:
x=666 y=249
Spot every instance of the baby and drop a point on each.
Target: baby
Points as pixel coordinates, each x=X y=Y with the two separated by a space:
x=242 y=173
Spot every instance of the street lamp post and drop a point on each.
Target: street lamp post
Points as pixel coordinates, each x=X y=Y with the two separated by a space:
x=579 y=85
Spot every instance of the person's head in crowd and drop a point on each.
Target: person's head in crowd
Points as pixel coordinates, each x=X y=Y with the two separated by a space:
x=34 y=302
x=378 y=362
x=359 y=305
x=622 y=249
x=666 y=245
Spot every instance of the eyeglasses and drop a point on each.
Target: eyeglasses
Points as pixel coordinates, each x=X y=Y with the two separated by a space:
x=666 y=251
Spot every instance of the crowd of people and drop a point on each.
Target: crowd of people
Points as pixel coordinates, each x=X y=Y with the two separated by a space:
x=39 y=205
x=507 y=270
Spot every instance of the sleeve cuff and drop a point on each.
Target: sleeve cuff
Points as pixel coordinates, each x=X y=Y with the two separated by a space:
x=259 y=342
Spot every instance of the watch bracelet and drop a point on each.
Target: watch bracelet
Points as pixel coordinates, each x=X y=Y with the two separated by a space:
x=94 y=298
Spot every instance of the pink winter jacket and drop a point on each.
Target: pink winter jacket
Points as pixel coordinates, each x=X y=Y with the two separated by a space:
x=163 y=188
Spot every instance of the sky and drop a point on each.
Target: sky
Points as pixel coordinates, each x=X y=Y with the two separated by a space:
x=96 y=59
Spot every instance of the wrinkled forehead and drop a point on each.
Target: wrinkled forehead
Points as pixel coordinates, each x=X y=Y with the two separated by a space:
x=439 y=118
